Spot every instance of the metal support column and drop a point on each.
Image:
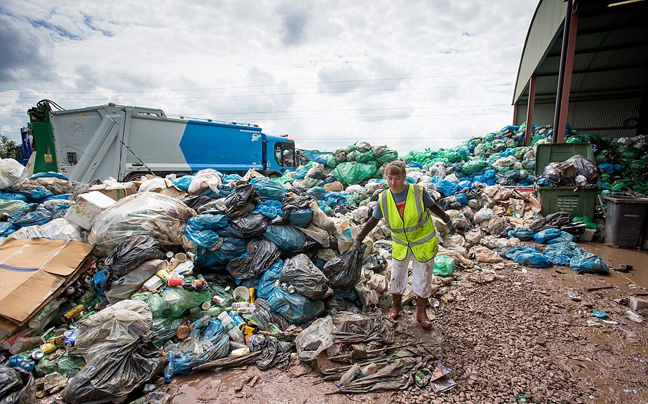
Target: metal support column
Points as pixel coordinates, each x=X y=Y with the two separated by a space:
x=565 y=73
x=528 y=133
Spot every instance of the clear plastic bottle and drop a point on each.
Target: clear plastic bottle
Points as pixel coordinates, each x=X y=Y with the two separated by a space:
x=349 y=375
x=231 y=327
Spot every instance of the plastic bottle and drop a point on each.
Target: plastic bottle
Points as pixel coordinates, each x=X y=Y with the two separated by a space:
x=168 y=370
x=237 y=319
x=231 y=327
x=349 y=375
x=369 y=369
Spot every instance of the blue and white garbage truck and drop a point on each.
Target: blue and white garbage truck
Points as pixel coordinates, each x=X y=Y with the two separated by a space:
x=124 y=142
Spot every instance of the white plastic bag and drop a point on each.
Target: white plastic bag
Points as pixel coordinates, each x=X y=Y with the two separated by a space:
x=12 y=173
x=208 y=178
x=315 y=339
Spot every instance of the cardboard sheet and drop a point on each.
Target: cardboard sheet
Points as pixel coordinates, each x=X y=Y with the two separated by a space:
x=32 y=270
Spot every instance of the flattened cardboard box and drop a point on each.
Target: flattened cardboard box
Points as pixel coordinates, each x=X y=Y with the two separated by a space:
x=32 y=271
x=116 y=192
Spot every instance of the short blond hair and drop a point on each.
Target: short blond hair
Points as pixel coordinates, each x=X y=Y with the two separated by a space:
x=396 y=167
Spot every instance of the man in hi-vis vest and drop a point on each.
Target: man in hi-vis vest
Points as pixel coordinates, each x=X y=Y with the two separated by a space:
x=405 y=209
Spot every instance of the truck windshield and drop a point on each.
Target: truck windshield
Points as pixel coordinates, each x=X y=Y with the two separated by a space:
x=285 y=154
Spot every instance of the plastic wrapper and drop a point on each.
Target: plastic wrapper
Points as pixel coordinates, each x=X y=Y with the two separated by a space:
x=16 y=386
x=268 y=189
x=250 y=226
x=128 y=255
x=261 y=255
x=205 y=179
x=343 y=272
x=111 y=377
x=287 y=238
x=57 y=229
x=484 y=254
x=112 y=327
x=305 y=277
x=315 y=339
x=12 y=173
x=443 y=265
x=122 y=288
x=172 y=302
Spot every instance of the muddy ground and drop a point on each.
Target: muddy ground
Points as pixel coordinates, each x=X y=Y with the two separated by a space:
x=517 y=339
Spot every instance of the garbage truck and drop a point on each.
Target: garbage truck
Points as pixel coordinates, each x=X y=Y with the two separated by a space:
x=125 y=142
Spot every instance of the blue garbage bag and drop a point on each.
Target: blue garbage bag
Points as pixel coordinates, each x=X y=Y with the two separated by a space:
x=30 y=215
x=36 y=194
x=269 y=208
x=294 y=307
x=268 y=279
x=183 y=182
x=521 y=233
x=13 y=196
x=462 y=199
x=231 y=248
x=301 y=173
x=287 y=238
x=447 y=188
x=231 y=177
x=564 y=237
x=59 y=210
x=529 y=256
x=201 y=229
x=49 y=174
x=98 y=281
x=588 y=262
x=60 y=196
x=336 y=198
x=300 y=217
x=546 y=235
x=317 y=193
x=209 y=342
x=268 y=189
x=6 y=229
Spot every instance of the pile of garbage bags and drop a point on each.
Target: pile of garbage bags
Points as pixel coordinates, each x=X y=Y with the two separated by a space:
x=212 y=270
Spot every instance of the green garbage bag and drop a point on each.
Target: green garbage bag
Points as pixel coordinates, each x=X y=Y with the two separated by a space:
x=443 y=265
x=62 y=365
x=10 y=206
x=383 y=155
x=365 y=157
x=172 y=302
x=331 y=162
x=354 y=173
x=472 y=167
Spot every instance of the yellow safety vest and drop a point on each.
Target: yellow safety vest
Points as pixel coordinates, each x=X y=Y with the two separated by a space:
x=415 y=230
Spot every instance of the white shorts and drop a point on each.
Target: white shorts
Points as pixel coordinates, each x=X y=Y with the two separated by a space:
x=421 y=276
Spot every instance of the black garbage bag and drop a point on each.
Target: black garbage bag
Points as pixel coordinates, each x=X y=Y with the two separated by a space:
x=240 y=202
x=267 y=316
x=274 y=353
x=375 y=262
x=552 y=173
x=16 y=385
x=195 y=202
x=128 y=255
x=111 y=377
x=250 y=226
x=575 y=228
x=297 y=202
x=305 y=277
x=553 y=221
x=344 y=270
x=584 y=167
x=261 y=254
x=335 y=304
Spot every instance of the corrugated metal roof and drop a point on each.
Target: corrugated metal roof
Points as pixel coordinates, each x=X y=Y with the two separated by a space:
x=611 y=50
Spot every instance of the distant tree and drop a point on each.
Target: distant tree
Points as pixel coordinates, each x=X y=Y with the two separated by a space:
x=9 y=148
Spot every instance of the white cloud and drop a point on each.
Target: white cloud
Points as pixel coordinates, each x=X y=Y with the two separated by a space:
x=411 y=74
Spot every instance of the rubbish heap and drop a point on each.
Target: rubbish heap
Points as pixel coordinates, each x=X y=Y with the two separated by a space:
x=167 y=276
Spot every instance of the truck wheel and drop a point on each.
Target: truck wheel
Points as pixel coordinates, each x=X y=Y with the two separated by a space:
x=132 y=176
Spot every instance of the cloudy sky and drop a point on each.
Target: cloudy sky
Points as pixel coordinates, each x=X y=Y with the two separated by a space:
x=409 y=74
